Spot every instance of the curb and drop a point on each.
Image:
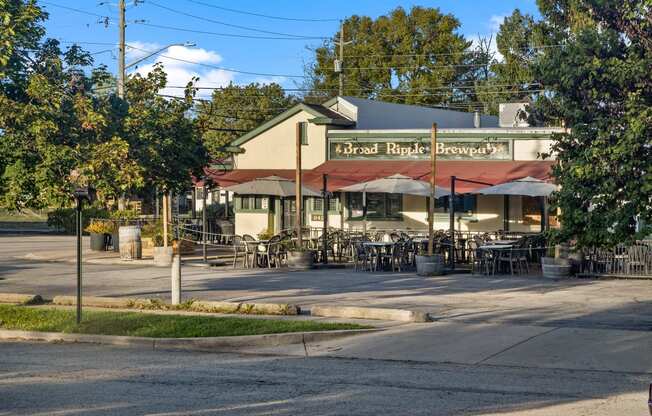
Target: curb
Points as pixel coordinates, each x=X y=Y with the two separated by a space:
x=385 y=314
x=196 y=306
x=18 y=298
x=211 y=344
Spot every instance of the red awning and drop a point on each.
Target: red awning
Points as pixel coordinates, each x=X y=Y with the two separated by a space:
x=346 y=172
x=238 y=176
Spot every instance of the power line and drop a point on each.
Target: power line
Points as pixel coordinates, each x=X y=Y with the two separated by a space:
x=228 y=35
x=262 y=15
x=222 y=68
x=230 y=24
x=73 y=9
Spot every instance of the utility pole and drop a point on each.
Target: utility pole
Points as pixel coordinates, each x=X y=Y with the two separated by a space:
x=121 y=49
x=298 y=196
x=433 y=185
x=341 y=75
x=339 y=63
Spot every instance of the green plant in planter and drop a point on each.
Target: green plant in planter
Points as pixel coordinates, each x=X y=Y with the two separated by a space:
x=125 y=215
x=100 y=227
x=154 y=230
x=265 y=235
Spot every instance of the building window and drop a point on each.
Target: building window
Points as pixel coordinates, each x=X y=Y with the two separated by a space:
x=244 y=202
x=258 y=202
x=463 y=203
x=531 y=210
x=318 y=204
x=304 y=132
x=379 y=206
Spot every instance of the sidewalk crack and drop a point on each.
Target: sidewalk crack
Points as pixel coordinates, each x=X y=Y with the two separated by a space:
x=303 y=340
x=514 y=346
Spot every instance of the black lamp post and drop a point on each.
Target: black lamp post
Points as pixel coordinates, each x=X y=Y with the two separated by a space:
x=81 y=194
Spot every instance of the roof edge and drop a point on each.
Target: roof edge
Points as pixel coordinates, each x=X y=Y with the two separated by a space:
x=274 y=121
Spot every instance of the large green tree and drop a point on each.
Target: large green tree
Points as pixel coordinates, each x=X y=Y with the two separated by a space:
x=236 y=109
x=519 y=41
x=414 y=57
x=600 y=87
x=50 y=120
x=162 y=138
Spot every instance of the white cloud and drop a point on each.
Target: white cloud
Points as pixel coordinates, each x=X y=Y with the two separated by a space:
x=181 y=64
x=492 y=46
x=495 y=21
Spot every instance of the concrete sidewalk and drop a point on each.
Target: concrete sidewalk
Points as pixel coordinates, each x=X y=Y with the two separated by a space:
x=493 y=344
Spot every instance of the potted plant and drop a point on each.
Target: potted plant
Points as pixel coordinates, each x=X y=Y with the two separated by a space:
x=99 y=231
x=301 y=258
x=162 y=254
x=120 y=218
x=554 y=265
x=430 y=265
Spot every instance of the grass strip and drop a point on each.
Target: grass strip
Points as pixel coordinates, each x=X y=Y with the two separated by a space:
x=151 y=325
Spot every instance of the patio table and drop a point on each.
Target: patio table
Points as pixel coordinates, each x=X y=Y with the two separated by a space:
x=379 y=245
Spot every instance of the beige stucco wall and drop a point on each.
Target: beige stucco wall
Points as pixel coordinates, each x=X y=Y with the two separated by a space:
x=530 y=149
x=276 y=147
x=250 y=223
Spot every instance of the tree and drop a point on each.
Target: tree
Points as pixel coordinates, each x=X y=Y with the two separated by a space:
x=162 y=138
x=517 y=41
x=235 y=109
x=49 y=119
x=413 y=58
x=600 y=86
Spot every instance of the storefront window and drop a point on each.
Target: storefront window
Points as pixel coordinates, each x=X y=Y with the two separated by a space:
x=379 y=205
x=244 y=202
x=463 y=203
x=318 y=203
x=251 y=202
x=531 y=210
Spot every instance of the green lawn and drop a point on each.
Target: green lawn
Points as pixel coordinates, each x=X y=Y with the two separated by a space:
x=151 y=325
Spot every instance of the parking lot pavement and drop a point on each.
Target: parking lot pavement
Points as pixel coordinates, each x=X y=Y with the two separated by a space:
x=573 y=303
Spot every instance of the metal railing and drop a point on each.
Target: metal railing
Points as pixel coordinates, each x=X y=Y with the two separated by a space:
x=622 y=261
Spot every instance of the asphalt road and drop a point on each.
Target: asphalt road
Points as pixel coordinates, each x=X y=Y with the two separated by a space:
x=54 y=379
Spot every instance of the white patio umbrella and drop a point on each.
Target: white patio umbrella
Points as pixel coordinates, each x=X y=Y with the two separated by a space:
x=271 y=185
x=527 y=186
x=397 y=184
x=394 y=184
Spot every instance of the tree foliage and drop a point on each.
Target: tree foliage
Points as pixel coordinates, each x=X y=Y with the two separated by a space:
x=600 y=87
x=235 y=109
x=59 y=114
x=406 y=57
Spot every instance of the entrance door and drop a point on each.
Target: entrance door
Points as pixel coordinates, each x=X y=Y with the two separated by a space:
x=289 y=213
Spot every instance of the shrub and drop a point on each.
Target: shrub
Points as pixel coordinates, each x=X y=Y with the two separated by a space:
x=64 y=219
x=100 y=227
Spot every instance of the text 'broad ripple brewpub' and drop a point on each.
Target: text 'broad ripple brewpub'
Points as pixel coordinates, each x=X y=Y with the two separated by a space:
x=354 y=140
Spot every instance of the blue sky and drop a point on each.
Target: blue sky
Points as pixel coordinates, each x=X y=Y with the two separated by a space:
x=282 y=57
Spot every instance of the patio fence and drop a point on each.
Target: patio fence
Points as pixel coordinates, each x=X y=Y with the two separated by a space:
x=622 y=261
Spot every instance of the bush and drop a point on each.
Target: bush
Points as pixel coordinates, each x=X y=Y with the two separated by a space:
x=154 y=230
x=100 y=227
x=127 y=214
x=64 y=219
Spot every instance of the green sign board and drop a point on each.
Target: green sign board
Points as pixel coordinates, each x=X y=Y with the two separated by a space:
x=419 y=148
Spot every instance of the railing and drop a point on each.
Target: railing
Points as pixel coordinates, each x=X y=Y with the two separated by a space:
x=622 y=261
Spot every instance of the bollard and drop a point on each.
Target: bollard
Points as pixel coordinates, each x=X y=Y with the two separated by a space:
x=176 y=279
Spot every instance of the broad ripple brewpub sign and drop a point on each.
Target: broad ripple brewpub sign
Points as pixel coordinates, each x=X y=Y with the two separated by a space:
x=419 y=148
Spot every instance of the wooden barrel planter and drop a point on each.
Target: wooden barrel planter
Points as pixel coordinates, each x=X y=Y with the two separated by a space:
x=301 y=260
x=430 y=265
x=553 y=268
x=130 y=243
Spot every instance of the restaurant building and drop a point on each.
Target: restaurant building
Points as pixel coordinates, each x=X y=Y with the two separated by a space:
x=352 y=140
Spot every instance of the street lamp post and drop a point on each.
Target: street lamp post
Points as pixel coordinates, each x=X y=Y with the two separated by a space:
x=139 y=60
x=81 y=194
